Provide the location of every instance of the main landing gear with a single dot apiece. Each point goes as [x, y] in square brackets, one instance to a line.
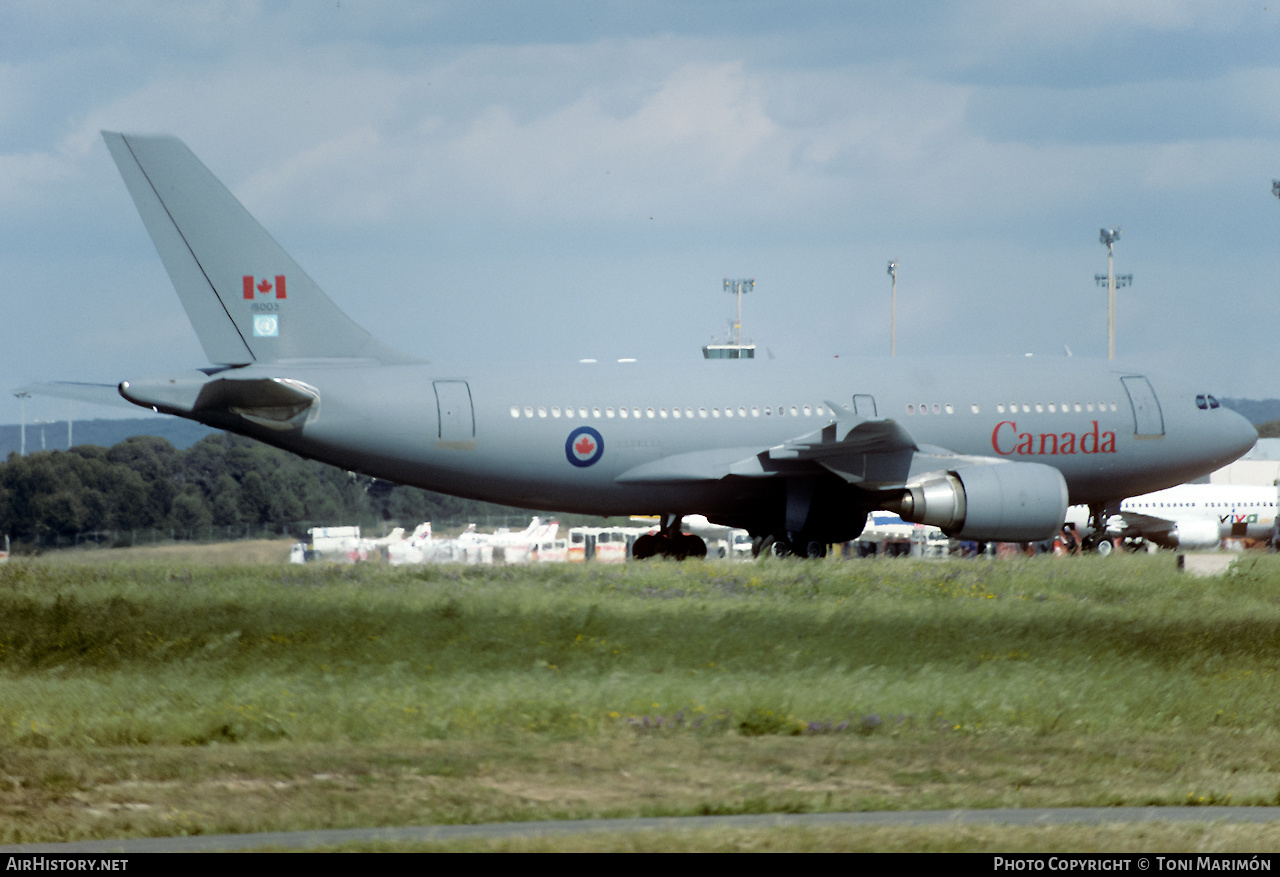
[788, 545]
[669, 542]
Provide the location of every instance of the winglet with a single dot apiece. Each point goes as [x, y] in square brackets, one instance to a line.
[245, 296]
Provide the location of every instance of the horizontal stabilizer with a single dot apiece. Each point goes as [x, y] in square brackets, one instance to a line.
[276, 403]
[97, 394]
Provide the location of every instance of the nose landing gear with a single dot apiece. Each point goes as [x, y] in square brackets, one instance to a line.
[1096, 542]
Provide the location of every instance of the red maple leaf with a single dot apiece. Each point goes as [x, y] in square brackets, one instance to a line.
[584, 446]
[264, 286]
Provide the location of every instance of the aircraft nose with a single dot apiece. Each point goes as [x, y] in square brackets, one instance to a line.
[1237, 434]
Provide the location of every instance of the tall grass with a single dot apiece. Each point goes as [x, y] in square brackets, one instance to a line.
[152, 654]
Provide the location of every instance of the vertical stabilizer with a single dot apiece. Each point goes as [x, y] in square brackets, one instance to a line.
[245, 296]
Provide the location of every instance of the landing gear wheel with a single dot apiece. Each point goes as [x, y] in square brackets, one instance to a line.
[646, 546]
[775, 546]
[677, 546]
[1103, 547]
[814, 550]
[687, 545]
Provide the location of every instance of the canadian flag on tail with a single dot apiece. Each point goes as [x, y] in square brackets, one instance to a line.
[254, 287]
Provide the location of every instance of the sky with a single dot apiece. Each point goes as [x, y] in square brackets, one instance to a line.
[548, 181]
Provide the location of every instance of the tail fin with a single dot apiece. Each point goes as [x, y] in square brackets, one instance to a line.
[246, 298]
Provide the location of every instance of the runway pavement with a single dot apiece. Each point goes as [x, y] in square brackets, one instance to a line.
[311, 840]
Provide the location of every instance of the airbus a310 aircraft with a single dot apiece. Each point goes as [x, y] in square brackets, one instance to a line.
[797, 454]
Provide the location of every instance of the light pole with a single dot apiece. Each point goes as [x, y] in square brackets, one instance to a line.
[893, 309]
[1275, 188]
[1108, 237]
[22, 442]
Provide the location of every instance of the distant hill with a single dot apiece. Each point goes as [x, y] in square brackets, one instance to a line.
[181, 433]
[1255, 410]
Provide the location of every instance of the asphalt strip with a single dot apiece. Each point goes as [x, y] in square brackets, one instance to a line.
[308, 840]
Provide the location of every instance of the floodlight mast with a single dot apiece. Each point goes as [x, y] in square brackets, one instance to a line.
[1108, 237]
[1275, 188]
[893, 309]
[22, 443]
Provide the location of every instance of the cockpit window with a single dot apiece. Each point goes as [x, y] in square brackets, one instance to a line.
[1204, 402]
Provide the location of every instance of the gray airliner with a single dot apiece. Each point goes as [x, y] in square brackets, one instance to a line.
[797, 454]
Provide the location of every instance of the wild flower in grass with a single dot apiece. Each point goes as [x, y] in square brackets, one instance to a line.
[677, 722]
[1210, 800]
[758, 723]
[864, 726]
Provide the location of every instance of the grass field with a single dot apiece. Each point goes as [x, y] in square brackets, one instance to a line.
[178, 695]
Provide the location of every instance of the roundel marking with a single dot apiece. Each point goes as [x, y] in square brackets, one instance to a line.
[584, 446]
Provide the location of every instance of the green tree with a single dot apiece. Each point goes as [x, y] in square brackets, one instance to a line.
[226, 501]
[190, 516]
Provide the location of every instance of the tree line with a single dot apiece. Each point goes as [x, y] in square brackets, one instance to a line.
[223, 483]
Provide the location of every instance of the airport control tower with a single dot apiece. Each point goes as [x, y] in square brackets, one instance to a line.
[734, 346]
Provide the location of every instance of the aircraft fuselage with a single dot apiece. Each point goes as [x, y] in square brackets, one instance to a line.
[565, 439]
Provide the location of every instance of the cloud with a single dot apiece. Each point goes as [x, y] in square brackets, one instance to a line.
[502, 162]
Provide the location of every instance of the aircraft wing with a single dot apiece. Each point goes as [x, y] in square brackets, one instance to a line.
[847, 445]
[1127, 523]
[695, 466]
[854, 448]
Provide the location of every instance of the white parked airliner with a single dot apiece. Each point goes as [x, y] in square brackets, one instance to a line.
[1191, 515]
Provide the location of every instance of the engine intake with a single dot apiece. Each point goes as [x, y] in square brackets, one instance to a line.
[1008, 502]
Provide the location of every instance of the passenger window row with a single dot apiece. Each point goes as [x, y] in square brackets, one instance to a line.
[583, 413]
[1015, 407]
[1208, 505]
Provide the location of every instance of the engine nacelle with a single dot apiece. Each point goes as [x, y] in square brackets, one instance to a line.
[1192, 534]
[1001, 502]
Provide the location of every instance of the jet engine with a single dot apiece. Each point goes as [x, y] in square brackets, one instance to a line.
[1009, 502]
[1192, 534]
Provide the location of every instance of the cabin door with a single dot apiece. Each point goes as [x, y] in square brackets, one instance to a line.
[457, 420]
[1148, 422]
